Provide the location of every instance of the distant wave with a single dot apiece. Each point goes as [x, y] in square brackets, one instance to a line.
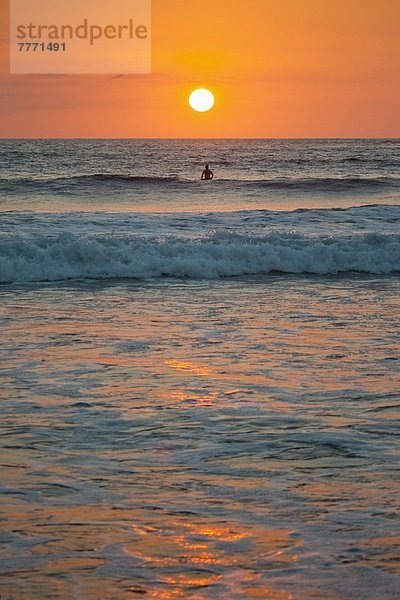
[220, 254]
[113, 177]
[96, 182]
[328, 184]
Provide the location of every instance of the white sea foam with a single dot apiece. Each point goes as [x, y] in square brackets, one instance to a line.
[219, 254]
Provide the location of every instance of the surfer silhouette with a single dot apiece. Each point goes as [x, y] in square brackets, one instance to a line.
[207, 173]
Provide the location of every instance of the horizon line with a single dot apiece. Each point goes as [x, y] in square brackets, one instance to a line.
[197, 138]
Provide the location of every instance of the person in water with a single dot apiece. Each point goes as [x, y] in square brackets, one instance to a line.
[207, 173]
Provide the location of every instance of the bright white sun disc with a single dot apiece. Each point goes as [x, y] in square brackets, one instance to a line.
[201, 100]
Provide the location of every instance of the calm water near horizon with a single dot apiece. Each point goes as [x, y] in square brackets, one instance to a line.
[200, 380]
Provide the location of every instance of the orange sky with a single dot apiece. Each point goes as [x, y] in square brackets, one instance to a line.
[278, 68]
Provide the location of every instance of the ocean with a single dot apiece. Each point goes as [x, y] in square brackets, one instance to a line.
[200, 380]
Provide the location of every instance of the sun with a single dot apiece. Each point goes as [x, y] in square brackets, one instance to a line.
[201, 100]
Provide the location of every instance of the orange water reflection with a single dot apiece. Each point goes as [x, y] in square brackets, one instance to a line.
[142, 457]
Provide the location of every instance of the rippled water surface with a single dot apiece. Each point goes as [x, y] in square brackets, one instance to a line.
[164, 175]
[175, 438]
[199, 380]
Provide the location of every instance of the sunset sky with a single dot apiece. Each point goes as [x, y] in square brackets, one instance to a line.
[277, 68]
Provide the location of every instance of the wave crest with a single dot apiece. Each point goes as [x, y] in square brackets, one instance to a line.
[118, 182]
[219, 254]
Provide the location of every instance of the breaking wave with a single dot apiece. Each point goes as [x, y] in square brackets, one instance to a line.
[219, 254]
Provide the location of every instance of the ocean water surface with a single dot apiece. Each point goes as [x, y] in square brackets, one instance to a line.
[200, 380]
